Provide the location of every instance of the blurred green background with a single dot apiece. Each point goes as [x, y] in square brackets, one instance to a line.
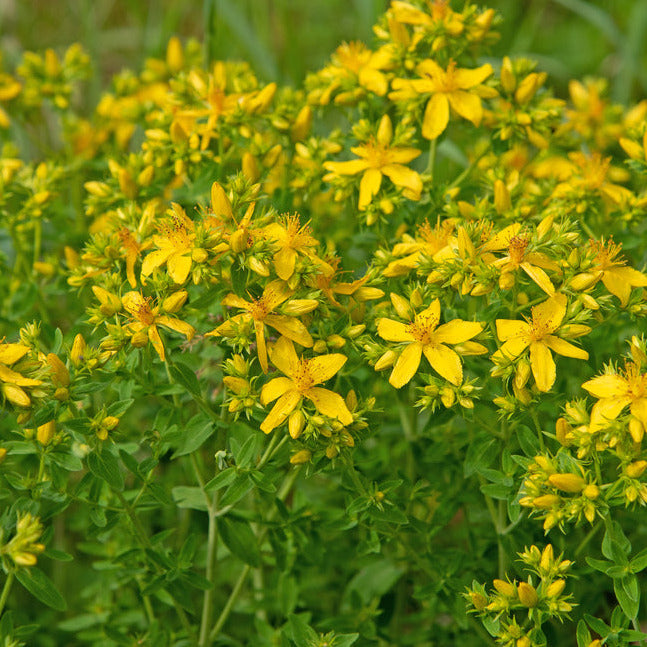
[283, 39]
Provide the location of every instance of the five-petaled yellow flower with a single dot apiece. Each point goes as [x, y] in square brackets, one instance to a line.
[451, 87]
[538, 335]
[379, 158]
[614, 393]
[302, 377]
[424, 335]
[260, 312]
[147, 318]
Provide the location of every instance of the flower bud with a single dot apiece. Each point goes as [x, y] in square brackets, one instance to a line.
[508, 82]
[562, 429]
[636, 469]
[572, 483]
[591, 491]
[502, 202]
[386, 361]
[636, 429]
[298, 307]
[45, 433]
[302, 456]
[527, 595]
[504, 588]
[355, 331]
[478, 600]
[175, 302]
[546, 501]
[555, 588]
[296, 423]
[320, 346]
[401, 306]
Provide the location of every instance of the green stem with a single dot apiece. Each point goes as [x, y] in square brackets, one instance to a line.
[585, 542]
[288, 483]
[432, 157]
[212, 550]
[540, 435]
[5, 590]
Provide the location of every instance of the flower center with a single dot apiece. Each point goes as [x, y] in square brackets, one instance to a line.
[517, 248]
[302, 378]
[422, 329]
[144, 312]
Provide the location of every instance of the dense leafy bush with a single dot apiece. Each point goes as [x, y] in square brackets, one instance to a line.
[355, 363]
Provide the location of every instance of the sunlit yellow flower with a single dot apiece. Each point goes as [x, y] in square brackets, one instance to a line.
[291, 240]
[614, 392]
[147, 318]
[451, 87]
[424, 335]
[438, 13]
[11, 382]
[379, 158]
[175, 246]
[302, 376]
[538, 335]
[610, 268]
[260, 312]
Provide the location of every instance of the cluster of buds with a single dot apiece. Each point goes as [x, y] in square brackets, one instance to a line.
[102, 424]
[441, 392]
[24, 546]
[558, 495]
[242, 397]
[518, 609]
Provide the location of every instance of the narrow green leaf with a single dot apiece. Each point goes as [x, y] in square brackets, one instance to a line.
[189, 497]
[41, 587]
[194, 434]
[239, 537]
[104, 465]
[629, 606]
[184, 375]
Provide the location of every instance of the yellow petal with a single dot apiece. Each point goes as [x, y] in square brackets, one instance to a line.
[284, 406]
[234, 301]
[11, 353]
[469, 78]
[330, 404]
[176, 324]
[373, 80]
[457, 331]
[620, 280]
[405, 177]
[284, 262]
[322, 368]
[132, 301]
[432, 312]
[407, 365]
[467, 105]
[155, 259]
[369, 186]
[502, 239]
[604, 411]
[275, 389]
[542, 365]
[445, 362]
[275, 293]
[12, 377]
[291, 328]
[156, 340]
[510, 328]
[284, 357]
[639, 410]
[539, 277]
[607, 386]
[551, 312]
[16, 395]
[564, 348]
[351, 167]
[261, 348]
[393, 330]
[178, 267]
[436, 116]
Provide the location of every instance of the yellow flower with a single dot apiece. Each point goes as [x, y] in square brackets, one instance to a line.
[292, 239]
[147, 318]
[378, 158]
[614, 393]
[611, 269]
[260, 312]
[302, 376]
[11, 382]
[424, 335]
[176, 247]
[538, 335]
[451, 87]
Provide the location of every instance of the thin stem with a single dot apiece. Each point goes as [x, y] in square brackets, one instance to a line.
[288, 483]
[432, 157]
[540, 435]
[5, 590]
[212, 550]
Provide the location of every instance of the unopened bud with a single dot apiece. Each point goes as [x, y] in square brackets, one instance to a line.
[296, 423]
[301, 457]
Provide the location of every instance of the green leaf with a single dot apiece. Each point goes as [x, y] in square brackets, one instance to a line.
[196, 432]
[225, 478]
[105, 466]
[615, 545]
[599, 564]
[639, 562]
[300, 632]
[583, 634]
[496, 491]
[597, 625]
[118, 409]
[184, 375]
[239, 537]
[41, 587]
[345, 640]
[237, 490]
[480, 454]
[189, 497]
[629, 606]
[375, 579]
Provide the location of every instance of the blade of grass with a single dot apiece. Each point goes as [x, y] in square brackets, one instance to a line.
[596, 16]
